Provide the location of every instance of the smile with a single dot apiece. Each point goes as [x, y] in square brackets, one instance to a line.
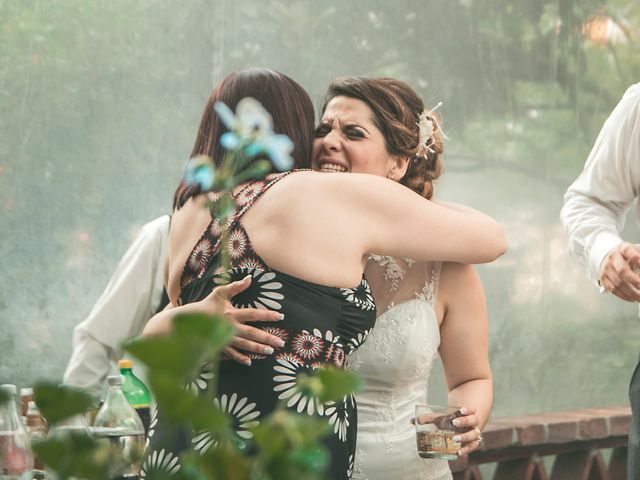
[325, 166]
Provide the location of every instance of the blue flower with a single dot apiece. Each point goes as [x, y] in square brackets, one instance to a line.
[251, 130]
[279, 148]
[226, 115]
[229, 140]
[200, 171]
[253, 120]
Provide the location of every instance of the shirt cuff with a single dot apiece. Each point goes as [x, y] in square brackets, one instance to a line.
[603, 244]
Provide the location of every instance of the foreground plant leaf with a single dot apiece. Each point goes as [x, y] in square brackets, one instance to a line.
[224, 463]
[58, 402]
[214, 329]
[337, 382]
[74, 454]
[4, 397]
[172, 355]
[180, 405]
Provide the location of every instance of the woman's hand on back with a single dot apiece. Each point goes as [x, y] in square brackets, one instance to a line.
[218, 302]
[247, 338]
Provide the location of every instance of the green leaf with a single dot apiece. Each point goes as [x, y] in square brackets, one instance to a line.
[74, 454]
[225, 464]
[173, 355]
[338, 382]
[283, 430]
[57, 402]
[313, 458]
[4, 397]
[180, 405]
[258, 169]
[215, 329]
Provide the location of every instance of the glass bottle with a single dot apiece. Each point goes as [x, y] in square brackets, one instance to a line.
[135, 391]
[37, 430]
[16, 459]
[26, 395]
[75, 425]
[118, 424]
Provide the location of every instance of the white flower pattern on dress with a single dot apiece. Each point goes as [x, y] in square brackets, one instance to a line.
[357, 341]
[237, 243]
[262, 293]
[350, 467]
[360, 296]
[248, 193]
[307, 346]
[285, 379]
[333, 342]
[243, 413]
[251, 263]
[339, 416]
[160, 461]
[204, 375]
[201, 254]
[152, 424]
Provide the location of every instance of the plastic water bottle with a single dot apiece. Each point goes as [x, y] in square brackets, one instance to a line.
[75, 425]
[136, 392]
[16, 458]
[118, 424]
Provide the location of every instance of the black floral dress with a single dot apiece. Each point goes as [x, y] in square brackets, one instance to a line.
[322, 326]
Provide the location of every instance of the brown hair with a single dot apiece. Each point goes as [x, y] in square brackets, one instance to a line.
[288, 103]
[396, 108]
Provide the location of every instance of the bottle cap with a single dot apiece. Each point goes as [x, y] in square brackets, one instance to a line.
[26, 391]
[125, 363]
[9, 389]
[114, 380]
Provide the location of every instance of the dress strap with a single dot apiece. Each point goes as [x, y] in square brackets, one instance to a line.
[250, 192]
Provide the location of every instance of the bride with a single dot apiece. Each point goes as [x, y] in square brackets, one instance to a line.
[380, 126]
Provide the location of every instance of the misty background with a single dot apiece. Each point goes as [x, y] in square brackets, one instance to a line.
[100, 102]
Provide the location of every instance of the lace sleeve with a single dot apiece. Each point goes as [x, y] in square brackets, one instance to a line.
[397, 280]
[429, 291]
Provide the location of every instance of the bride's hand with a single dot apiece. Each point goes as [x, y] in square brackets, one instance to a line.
[247, 338]
[472, 437]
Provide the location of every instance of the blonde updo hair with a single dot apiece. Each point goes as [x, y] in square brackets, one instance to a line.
[396, 108]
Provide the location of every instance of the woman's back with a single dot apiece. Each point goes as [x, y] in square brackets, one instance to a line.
[321, 326]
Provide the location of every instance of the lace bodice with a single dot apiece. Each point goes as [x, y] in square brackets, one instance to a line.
[395, 364]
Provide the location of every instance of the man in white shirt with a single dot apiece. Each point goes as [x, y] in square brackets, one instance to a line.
[595, 207]
[132, 296]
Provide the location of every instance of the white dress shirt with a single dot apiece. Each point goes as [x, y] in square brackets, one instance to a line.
[596, 204]
[129, 300]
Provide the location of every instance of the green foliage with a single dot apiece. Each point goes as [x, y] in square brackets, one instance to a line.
[4, 397]
[330, 384]
[60, 402]
[288, 446]
[74, 454]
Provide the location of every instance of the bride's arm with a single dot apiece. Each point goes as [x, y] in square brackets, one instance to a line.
[398, 222]
[464, 349]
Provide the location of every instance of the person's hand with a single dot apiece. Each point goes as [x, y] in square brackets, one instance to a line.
[617, 275]
[247, 338]
[472, 437]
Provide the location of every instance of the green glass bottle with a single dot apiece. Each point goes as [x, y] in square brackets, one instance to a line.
[136, 392]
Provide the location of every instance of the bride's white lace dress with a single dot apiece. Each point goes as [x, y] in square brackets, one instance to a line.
[395, 363]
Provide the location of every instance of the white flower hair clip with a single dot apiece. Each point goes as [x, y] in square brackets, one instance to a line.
[427, 127]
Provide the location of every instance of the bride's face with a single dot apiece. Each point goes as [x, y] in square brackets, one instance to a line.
[347, 140]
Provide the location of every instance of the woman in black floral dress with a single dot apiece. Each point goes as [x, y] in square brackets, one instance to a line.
[303, 237]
